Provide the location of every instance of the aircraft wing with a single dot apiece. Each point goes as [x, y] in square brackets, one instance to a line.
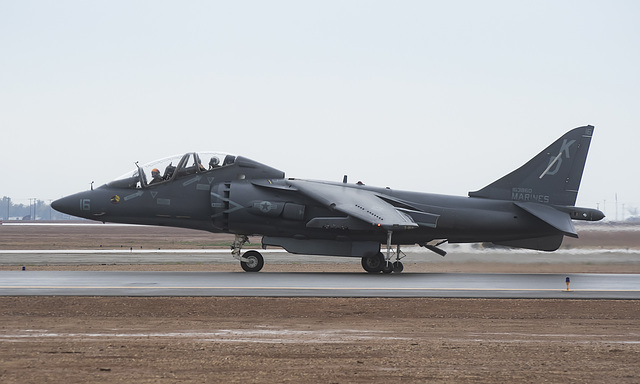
[362, 204]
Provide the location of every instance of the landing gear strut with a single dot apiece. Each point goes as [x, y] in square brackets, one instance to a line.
[251, 261]
[379, 263]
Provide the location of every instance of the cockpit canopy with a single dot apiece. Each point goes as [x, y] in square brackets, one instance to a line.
[173, 167]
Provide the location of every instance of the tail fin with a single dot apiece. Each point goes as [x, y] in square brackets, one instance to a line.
[552, 177]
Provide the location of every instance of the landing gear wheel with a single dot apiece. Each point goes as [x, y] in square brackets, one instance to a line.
[387, 267]
[373, 264]
[398, 267]
[254, 262]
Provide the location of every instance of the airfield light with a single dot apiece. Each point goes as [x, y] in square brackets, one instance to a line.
[567, 280]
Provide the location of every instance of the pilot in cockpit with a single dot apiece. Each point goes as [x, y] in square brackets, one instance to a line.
[155, 174]
[214, 163]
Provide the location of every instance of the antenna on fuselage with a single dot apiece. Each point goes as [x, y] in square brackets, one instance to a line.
[344, 179]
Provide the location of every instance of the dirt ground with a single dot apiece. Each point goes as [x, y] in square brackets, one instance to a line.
[323, 340]
[335, 340]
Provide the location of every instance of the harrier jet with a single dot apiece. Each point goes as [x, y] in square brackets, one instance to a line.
[531, 207]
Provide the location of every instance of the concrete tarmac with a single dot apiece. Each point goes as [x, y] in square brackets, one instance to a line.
[406, 284]
[83, 283]
[458, 254]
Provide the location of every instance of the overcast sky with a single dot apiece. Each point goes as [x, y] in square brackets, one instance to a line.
[434, 96]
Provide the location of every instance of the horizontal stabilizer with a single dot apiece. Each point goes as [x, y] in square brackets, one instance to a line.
[557, 219]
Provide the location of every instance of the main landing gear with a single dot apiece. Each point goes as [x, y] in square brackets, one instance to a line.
[251, 261]
[379, 263]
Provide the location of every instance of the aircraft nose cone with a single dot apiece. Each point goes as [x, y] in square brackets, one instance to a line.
[57, 205]
[61, 205]
[68, 204]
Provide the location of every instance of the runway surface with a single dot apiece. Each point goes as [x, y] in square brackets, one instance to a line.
[460, 254]
[82, 283]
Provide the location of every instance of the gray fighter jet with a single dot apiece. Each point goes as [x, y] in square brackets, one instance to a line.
[531, 207]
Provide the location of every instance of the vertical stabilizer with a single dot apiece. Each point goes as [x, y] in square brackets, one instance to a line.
[551, 177]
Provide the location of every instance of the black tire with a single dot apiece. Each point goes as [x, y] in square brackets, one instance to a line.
[373, 264]
[398, 267]
[255, 261]
[387, 268]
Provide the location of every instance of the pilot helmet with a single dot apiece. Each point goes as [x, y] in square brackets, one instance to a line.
[214, 162]
[155, 172]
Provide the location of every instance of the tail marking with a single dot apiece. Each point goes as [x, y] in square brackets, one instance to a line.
[558, 159]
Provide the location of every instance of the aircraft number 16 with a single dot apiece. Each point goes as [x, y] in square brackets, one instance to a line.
[85, 204]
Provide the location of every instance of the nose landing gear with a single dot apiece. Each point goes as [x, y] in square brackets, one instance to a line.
[254, 261]
[250, 261]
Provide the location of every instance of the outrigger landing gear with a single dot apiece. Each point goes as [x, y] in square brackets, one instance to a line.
[251, 261]
[379, 263]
